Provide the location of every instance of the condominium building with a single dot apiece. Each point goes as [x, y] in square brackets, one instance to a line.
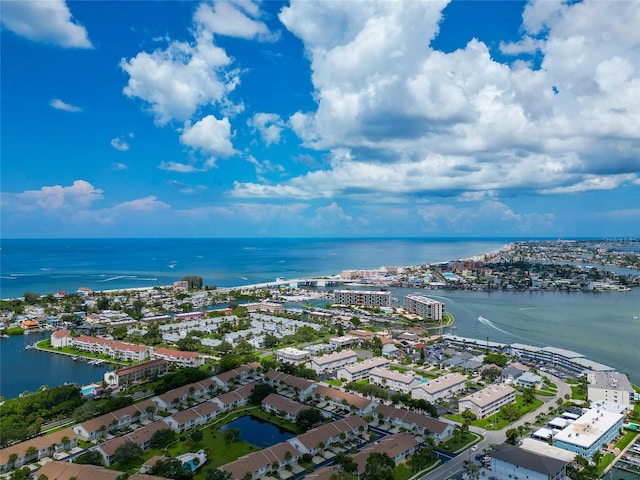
[441, 387]
[609, 387]
[137, 373]
[292, 355]
[365, 298]
[128, 351]
[487, 401]
[558, 357]
[424, 307]
[589, 432]
[333, 361]
[180, 358]
[394, 380]
[361, 370]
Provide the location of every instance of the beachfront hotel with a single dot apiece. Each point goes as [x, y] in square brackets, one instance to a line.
[363, 298]
[424, 307]
[589, 432]
[487, 401]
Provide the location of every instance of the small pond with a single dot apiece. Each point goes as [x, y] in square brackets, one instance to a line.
[257, 432]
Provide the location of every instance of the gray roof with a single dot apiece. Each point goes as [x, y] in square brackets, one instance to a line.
[532, 461]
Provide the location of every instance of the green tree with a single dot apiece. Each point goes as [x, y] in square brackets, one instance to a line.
[379, 467]
[345, 462]
[162, 438]
[196, 436]
[309, 418]
[495, 358]
[231, 435]
[217, 474]
[90, 457]
[119, 332]
[529, 396]
[127, 454]
[512, 436]
[171, 468]
[471, 469]
[260, 392]
[509, 412]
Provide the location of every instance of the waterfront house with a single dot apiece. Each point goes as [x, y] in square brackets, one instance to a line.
[487, 401]
[61, 338]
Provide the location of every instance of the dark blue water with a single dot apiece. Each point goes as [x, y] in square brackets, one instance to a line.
[46, 266]
[27, 370]
[258, 432]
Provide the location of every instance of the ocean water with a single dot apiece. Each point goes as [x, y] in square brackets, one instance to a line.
[47, 266]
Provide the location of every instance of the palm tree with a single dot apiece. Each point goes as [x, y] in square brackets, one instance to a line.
[471, 469]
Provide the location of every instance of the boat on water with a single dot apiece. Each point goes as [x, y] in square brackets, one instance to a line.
[31, 346]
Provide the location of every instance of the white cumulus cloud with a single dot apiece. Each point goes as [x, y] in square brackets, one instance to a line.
[60, 105]
[209, 135]
[79, 195]
[269, 125]
[233, 19]
[47, 21]
[119, 144]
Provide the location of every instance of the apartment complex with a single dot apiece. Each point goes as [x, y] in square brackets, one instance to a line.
[487, 401]
[609, 387]
[441, 387]
[364, 298]
[589, 432]
[361, 370]
[397, 381]
[425, 307]
[333, 361]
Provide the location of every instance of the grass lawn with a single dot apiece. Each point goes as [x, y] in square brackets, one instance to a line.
[456, 443]
[604, 463]
[545, 393]
[626, 439]
[334, 382]
[575, 393]
[488, 423]
[402, 472]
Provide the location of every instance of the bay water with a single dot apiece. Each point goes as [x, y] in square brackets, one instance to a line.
[599, 325]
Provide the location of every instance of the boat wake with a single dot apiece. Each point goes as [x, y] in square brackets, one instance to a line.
[489, 323]
[126, 277]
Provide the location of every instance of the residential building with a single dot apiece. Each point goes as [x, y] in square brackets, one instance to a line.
[609, 387]
[441, 387]
[136, 373]
[313, 440]
[511, 462]
[45, 445]
[66, 471]
[243, 372]
[235, 398]
[394, 380]
[91, 344]
[333, 361]
[283, 406]
[260, 464]
[193, 417]
[61, 338]
[342, 399]
[344, 341]
[589, 432]
[292, 355]
[424, 307]
[300, 386]
[529, 380]
[557, 357]
[141, 437]
[361, 370]
[270, 307]
[397, 446]
[424, 425]
[180, 358]
[364, 298]
[128, 351]
[95, 428]
[487, 401]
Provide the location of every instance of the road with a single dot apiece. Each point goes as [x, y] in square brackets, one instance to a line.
[495, 437]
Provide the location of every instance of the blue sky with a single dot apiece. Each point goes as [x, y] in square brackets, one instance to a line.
[356, 118]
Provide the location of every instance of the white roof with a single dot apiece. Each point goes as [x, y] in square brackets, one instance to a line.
[543, 433]
[589, 427]
[559, 422]
[543, 448]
